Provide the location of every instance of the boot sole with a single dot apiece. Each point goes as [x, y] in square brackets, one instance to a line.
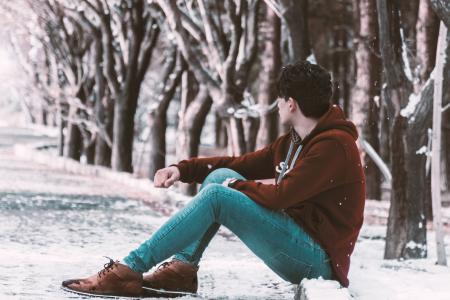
[158, 293]
[146, 293]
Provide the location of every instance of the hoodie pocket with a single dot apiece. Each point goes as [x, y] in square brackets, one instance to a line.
[289, 268]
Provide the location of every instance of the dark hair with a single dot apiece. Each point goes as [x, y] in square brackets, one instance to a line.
[308, 84]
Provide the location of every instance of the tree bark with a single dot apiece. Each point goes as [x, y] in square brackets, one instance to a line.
[105, 114]
[271, 63]
[89, 152]
[295, 16]
[122, 150]
[406, 230]
[408, 20]
[125, 74]
[190, 127]
[73, 142]
[158, 117]
[61, 126]
[221, 139]
[365, 113]
[442, 9]
[157, 139]
[426, 42]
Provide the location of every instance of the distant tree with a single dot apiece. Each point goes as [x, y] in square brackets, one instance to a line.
[270, 64]
[168, 82]
[219, 53]
[410, 116]
[129, 31]
[364, 107]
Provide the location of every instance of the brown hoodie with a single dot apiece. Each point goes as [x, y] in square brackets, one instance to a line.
[323, 190]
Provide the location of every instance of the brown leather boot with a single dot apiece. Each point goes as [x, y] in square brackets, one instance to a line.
[175, 277]
[115, 279]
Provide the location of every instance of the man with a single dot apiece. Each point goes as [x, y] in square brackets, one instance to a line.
[304, 225]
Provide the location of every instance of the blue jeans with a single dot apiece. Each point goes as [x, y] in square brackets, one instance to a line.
[272, 235]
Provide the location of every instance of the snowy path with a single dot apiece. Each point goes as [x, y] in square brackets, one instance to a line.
[55, 225]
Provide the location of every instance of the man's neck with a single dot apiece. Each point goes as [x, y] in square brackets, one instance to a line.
[305, 126]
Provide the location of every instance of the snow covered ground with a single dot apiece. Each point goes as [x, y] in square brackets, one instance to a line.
[55, 225]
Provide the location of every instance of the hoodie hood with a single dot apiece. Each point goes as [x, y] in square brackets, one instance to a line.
[334, 118]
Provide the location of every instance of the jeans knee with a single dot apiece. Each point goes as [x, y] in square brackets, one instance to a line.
[219, 175]
[212, 189]
[212, 192]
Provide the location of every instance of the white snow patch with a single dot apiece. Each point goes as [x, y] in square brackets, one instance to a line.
[422, 150]
[413, 245]
[409, 109]
[407, 69]
[312, 58]
[230, 110]
[320, 289]
[376, 99]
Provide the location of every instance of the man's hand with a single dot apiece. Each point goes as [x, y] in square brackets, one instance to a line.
[166, 177]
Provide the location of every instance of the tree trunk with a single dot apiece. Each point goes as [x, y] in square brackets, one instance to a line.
[446, 115]
[406, 230]
[385, 146]
[236, 137]
[61, 127]
[157, 139]
[104, 107]
[89, 153]
[73, 144]
[271, 62]
[408, 19]
[102, 149]
[73, 139]
[122, 150]
[221, 139]
[170, 79]
[426, 38]
[190, 126]
[364, 109]
[251, 132]
[295, 15]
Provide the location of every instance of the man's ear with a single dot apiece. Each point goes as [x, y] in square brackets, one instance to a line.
[292, 104]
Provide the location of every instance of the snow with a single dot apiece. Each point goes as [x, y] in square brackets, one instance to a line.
[324, 289]
[372, 277]
[230, 110]
[312, 58]
[422, 150]
[409, 109]
[229, 270]
[376, 99]
[407, 66]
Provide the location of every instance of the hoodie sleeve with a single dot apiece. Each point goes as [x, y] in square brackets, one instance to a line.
[322, 168]
[254, 165]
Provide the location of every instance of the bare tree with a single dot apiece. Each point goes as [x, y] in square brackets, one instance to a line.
[221, 62]
[365, 112]
[129, 34]
[271, 63]
[426, 37]
[157, 119]
[410, 115]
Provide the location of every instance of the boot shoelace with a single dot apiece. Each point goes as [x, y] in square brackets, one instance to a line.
[164, 265]
[107, 267]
